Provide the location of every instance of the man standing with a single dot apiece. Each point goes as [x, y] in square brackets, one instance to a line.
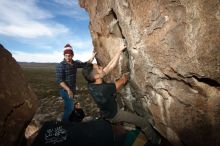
[66, 78]
[104, 94]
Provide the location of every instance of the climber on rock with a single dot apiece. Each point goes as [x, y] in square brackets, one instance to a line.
[104, 94]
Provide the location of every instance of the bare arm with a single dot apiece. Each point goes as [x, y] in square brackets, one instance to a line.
[122, 81]
[65, 87]
[114, 61]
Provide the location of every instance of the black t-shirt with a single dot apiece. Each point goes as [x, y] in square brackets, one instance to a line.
[104, 95]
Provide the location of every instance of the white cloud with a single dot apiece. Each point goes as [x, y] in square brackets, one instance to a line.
[21, 10]
[35, 25]
[45, 57]
[82, 51]
[37, 57]
[85, 56]
[32, 30]
[22, 18]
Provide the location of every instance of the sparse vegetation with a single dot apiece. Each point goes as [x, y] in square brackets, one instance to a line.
[41, 78]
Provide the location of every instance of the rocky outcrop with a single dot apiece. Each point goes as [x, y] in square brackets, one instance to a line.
[173, 57]
[18, 102]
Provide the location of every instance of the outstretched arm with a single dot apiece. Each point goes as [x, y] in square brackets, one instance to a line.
[114, 60]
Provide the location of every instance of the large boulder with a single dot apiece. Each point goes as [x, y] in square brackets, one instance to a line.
[18, 101]
[173, 57]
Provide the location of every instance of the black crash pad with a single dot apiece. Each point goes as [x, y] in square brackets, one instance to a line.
[93, 133]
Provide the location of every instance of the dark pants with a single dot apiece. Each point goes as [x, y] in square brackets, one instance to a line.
[124, 116]
[68, 105]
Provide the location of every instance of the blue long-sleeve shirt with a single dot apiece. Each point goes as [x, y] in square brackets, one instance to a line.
[67, 73]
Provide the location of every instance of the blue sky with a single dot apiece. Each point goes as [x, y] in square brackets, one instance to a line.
[37, 30]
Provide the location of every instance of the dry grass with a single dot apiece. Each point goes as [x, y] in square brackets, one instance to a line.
[41, 79]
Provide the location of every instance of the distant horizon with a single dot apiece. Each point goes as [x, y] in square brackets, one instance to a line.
[40, 62]
[43, 62]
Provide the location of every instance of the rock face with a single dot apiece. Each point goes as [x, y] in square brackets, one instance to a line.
[18, 102]
[173, 57]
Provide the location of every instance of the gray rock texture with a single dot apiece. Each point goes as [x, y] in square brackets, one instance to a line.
[173, 56]
[18, 102]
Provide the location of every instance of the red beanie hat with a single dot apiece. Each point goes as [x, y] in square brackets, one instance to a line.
[68, 49]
